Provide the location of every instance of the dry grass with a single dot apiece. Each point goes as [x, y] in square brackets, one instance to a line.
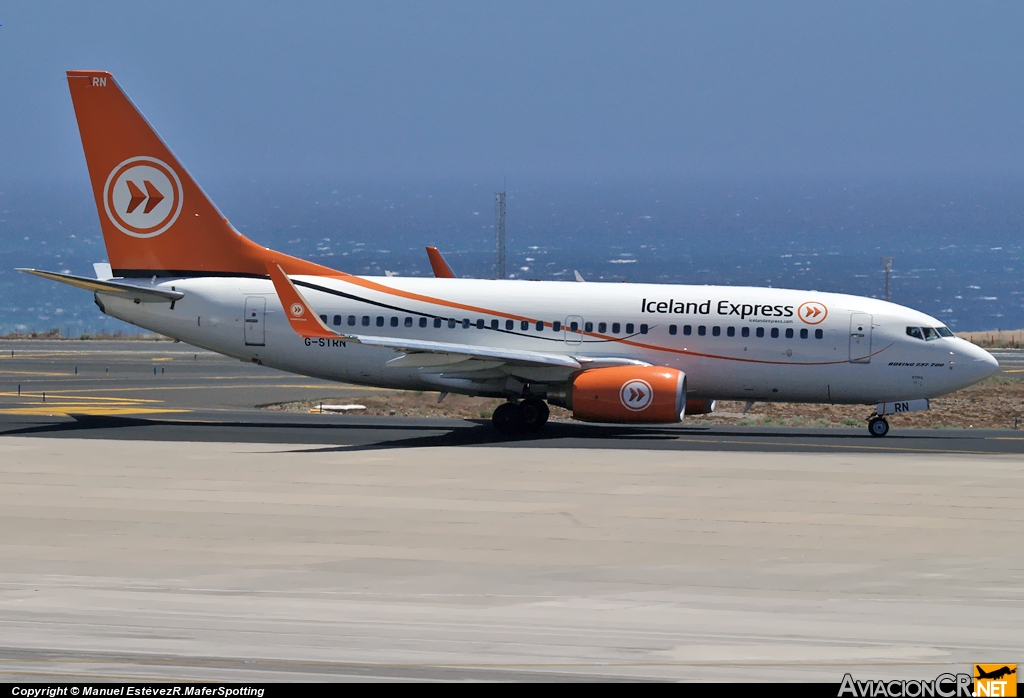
[992, 404]
[995, 339]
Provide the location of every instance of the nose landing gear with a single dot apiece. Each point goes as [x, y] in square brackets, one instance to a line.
[878, 426]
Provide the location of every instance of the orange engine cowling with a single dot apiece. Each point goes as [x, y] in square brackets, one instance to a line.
[697, 405]
[629, 394]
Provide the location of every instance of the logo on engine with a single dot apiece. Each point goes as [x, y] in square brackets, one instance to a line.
[812, 312]
[636, 395]
[297, 309]
[142, 197]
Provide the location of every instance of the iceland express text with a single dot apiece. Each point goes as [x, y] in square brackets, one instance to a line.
[744, 310]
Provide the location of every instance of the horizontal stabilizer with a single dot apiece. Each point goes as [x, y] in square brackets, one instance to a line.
[139, 294]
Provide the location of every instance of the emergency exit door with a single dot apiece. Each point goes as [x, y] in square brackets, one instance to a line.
[255, 310]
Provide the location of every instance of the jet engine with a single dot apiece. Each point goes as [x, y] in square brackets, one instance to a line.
[696, 405]
[628, 395]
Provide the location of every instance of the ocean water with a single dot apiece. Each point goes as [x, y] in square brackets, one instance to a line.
[957, 244]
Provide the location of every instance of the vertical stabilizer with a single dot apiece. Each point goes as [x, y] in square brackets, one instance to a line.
[156, 220]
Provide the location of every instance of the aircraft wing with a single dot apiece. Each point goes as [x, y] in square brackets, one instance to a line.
[307, 323]
[139, 294]
[438, 265]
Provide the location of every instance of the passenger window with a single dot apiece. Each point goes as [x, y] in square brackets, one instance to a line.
[351, 320]
[930, 333]
[337, 320]
[616, 327]
[423, 322]
[574, 327]
[701, 330]
[716, 330]
[408, 322]
[510, 324]
[394, 322]
[588, 327]
[602, 327]
[687, 329]
[494, 324]
[643, 329]
[480, 323]
[944, 332]
[629, 328]
[524, 325]
[671, 329]
[437, 322]
[556, 326]
[731, 331]
[324, 319]
[803, 333]
[760, 332]
[380, 321]
[915, 332]
[465, 323]
[818, 334]
[540, 326]
[775, 333]
[366, 321]
[452, 322]
[745, 331]
[789, 333]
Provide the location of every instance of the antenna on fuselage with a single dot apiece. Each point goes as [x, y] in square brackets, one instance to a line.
[499, 231]
[887, 265]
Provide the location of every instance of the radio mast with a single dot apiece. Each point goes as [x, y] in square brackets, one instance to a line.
[499, 231]
[887, 265]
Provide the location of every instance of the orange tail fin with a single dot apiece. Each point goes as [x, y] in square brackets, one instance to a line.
[155, 219]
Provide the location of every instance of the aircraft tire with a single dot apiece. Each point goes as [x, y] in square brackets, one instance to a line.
[878, 426]
[508, 419]
[535, 414]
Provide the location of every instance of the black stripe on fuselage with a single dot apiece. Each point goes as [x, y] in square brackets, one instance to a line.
[400, 309]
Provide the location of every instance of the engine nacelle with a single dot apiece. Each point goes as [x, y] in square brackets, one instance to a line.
[629, 395]
[696, 405]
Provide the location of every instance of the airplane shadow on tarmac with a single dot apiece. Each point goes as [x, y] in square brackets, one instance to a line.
[364, 434]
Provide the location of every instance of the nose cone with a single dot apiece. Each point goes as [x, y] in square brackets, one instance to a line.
[977, 362]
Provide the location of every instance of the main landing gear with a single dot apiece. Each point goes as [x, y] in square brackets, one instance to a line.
[878, 426]
[514, 418]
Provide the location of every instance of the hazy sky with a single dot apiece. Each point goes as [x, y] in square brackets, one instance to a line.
[591, 89]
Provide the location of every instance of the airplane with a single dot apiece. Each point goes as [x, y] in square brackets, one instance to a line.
[995, 674]
[608, 352]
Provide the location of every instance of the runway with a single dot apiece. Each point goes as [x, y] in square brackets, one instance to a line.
[195, 537]
[171, 392]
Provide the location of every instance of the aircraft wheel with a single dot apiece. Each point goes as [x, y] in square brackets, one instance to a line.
[508, 419]
[878, 427]
[535, 414]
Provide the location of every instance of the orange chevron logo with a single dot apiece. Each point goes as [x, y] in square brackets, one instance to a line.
[812, 312]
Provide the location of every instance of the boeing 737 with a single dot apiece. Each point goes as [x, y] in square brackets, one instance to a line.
[610, 353]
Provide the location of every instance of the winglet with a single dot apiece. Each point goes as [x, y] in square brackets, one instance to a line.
[300, 316]
[437, 263]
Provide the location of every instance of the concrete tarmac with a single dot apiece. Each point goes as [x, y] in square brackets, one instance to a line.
[232, 561]
[193, 537]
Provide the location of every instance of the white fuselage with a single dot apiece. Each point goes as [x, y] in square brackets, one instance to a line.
[851, 350]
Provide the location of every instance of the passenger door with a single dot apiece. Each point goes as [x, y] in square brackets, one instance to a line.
[860, 338]
[255, 312]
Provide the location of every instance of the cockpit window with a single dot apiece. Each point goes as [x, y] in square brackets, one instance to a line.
[944, 332]
[915, 332]
[930, 333]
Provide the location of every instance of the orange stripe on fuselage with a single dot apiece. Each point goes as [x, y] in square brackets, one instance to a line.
[374, 286]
